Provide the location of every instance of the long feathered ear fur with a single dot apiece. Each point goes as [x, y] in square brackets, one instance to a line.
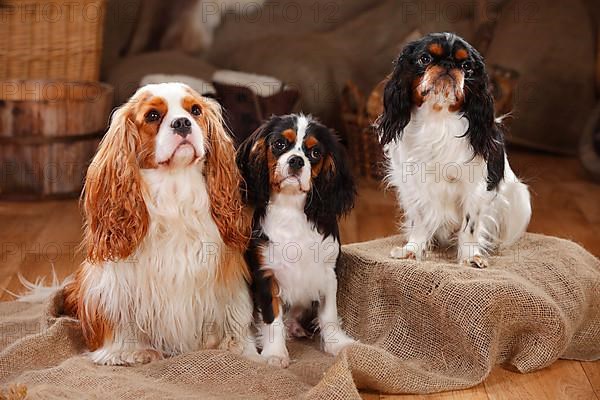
[333, 190]
[484, 133]
[116, 218]
[223, 181]
[397, 100]
[252, 162]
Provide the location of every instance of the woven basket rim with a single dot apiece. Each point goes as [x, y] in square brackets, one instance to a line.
[36, 46]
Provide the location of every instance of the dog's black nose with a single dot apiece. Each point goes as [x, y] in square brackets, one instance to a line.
[182, 126]
[295, 163]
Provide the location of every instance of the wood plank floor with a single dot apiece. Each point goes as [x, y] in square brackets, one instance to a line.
[36, 236]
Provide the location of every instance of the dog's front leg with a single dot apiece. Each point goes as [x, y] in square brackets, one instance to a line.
[471, 238]
[273, 336]
[238, 336]
[333, 337]
[419, 231]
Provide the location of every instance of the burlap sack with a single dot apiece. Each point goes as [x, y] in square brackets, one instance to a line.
[424, 327]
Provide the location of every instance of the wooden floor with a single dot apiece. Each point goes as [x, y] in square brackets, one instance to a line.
[36, 236]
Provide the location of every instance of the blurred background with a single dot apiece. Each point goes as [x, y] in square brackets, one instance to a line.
[260, 57]
[65, 64]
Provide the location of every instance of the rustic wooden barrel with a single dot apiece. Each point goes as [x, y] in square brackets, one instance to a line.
[49, 131]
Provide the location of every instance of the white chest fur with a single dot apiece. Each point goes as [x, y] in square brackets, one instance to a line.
[434, 163]
[434, 149]
[302, 260]
[167, 287]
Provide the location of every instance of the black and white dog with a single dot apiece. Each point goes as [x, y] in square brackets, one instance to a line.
[297, 180]
[446, 155]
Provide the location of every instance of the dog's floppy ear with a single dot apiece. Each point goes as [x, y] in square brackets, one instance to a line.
[333, 191]
[484, 133]
[223, 179]
[496, 164]
[397, 100]
[116, 217]
[252, 160]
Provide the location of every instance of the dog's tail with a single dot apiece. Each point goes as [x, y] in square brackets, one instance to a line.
[37, 291]
[518, 213]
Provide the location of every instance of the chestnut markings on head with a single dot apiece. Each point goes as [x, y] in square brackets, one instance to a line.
[330, 186]
[444, 68]
[290, 135]
[461, 54]
[314, 151]
[116, 217]
[436, 49]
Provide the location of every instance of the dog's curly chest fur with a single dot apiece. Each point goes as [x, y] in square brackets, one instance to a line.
[300, 257]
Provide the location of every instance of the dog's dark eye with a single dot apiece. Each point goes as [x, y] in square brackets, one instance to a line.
[152, 116]
[467, 66]
[279, 144]
[315, 154]
[196, 110]
[425, 59]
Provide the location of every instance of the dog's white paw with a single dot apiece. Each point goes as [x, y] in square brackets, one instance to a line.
[337, 343]
[276, 355]
[407, 252]
[476, 261]
[278, 361]
[115, 356]
[127, 357]
[141, 356]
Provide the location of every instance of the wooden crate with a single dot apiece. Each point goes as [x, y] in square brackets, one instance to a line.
[49, 131]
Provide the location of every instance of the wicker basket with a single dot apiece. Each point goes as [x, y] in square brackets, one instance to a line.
[51, 39]
[359, 114]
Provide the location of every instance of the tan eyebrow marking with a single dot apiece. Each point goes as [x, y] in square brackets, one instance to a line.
[436, 49]
[188, 102]
[289, 134]
[155, 101]
[311, 142]
[147, 103]
[461, 54]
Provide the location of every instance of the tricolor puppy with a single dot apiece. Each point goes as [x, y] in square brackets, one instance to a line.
[446, 154]
[298, 183]
[164, 234]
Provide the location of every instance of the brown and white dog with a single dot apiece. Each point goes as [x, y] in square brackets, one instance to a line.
[164, 234]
